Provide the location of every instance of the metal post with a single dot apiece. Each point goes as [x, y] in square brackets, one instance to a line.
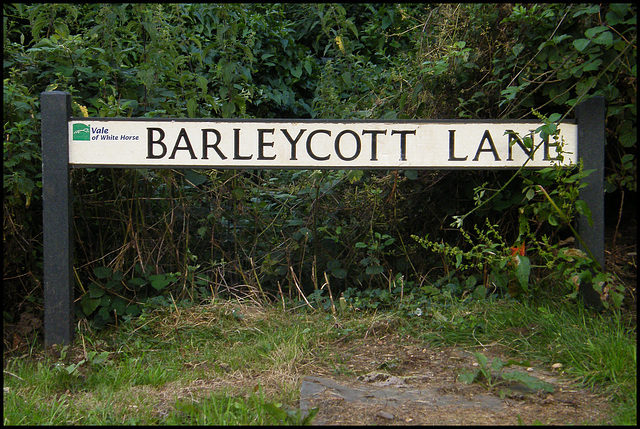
[591, 140]
[57, 219]
[590, 116]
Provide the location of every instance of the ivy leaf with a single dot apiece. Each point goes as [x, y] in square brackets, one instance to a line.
[296, 72]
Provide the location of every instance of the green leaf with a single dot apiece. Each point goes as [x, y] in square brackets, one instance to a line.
[95, 291]
[585, 85]
[374, 269]
[307, 66]
[275, 411]
[194, 178]
[594, 31]
[137, 281]
[497, 364]
[105, 301]
[132, 310]
[529, 381]
[482, 359]
[522, 271]
[555, 117]
[517, 49]
[470, 282]
[592, 65]
[310, 416]
[296, 72]
[468, 377]
[159, 281]
[120, 306]
[458, 260]
[117, 275]
[583, 209]
[339, 273]
[192, 105]
[97, 359]
[411, 174]
[89, 304]
[530, 194]
[628, 138]
[354, 175]
[104, 313]
[581, 44]
[346, 76]
[605, 38]
[102, 272]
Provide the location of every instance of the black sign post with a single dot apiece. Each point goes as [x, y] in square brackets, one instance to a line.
[57, 219]
[591, 140]
[57, 208]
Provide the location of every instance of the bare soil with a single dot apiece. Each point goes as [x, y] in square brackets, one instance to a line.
[386, 379]
[407, 384]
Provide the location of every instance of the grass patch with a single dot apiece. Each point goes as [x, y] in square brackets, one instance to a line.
[596, 350]
[235, 363]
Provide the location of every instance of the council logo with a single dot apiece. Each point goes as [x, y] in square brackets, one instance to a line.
[81, 132]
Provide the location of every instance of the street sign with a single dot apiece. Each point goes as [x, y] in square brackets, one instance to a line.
[288, 144]
[311, 144]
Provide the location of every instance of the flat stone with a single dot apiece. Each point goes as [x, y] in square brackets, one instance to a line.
[321, 391]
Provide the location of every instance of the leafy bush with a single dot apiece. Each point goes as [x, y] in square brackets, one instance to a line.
[272, 231]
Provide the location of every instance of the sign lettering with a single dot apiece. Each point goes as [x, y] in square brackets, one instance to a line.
[314, 144]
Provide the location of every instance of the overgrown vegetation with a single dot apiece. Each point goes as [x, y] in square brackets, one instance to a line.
[336, 240]
[240, 362]
[143, 233]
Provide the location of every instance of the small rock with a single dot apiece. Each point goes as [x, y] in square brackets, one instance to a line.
[385, 415]
[373, 376]
[392, 381]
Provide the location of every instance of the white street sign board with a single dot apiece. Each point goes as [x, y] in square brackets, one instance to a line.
[311, 144]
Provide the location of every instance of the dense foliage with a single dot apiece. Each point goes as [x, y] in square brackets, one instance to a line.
[141, 234]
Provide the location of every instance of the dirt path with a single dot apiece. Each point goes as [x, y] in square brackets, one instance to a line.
[410, 385]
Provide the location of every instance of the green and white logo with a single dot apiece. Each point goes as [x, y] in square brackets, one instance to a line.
[81, 132]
